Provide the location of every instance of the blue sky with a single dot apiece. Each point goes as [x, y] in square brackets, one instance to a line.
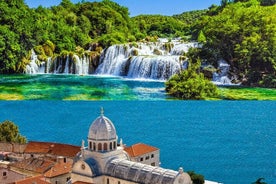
[137, 7]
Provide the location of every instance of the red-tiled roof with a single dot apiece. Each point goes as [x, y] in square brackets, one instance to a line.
[52, 148]
[59, 168]
[36, 179]
[37, 165]
[139, 149]
[81, 182]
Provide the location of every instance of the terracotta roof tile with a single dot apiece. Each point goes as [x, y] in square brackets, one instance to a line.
[59, 168]
[139, 149]
[52, 148]
[37, 165]
[36, 179]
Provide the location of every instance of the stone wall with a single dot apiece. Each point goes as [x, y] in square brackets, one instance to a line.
[12, 147]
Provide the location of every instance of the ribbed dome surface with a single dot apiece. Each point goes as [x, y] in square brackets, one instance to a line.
[102, 129]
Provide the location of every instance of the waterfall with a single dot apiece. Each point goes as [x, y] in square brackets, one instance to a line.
[66, 68]
[160, 67]
[221, 78]
[32, 67]
[159, 60]
[150, 60]
[82, 65]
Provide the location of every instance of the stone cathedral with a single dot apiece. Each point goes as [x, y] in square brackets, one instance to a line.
[104, 161]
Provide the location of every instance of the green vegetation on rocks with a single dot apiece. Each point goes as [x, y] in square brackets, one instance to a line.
[9, 133]
[191, 84]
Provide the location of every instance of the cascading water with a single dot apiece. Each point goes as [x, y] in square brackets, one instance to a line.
[82, 65]
[221, 78]
[158, 60]
[59, 65]
[32, 67]
[151, 60]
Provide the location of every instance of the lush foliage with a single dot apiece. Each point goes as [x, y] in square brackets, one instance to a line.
[158, 25]
[188, 18]
[244, 34]
[191, 84]
[9, 132]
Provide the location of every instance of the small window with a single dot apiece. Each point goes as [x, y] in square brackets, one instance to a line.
[64, 160]
[152, 164]
[107, 181]
[147, 157]
[152, 155]
[56, 182]
[119, 182]
[4, 174]
[141, 159]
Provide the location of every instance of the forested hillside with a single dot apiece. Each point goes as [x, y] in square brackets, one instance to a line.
[159, 25]
[244, 34]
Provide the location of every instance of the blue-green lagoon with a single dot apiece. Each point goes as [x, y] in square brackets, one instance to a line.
[79, 87]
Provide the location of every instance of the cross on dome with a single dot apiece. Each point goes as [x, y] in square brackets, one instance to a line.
[102, 111]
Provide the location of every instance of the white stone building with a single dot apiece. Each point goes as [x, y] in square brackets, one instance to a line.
[104, 162]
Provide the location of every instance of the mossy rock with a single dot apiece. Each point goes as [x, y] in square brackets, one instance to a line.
[182, 58]
[42, 57]
[157, 52]
[134, 52]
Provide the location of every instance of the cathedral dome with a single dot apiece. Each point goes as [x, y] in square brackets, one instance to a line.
[102, 129]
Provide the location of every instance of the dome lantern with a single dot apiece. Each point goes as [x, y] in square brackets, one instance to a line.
[102, 135]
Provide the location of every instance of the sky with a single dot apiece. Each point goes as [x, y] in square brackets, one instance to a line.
[137, 7]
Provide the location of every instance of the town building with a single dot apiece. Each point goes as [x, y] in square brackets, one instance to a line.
[144, 153]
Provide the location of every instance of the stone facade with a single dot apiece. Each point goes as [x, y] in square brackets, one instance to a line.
[9, 176]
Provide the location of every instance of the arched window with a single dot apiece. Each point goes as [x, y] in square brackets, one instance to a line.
[105, 147]
[90, 145]
[114, 145]
[100, 147]
[107, 181]
[94, 146]
[110, 146]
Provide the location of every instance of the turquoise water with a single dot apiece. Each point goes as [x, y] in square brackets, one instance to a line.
[75, 87]
[233, 142]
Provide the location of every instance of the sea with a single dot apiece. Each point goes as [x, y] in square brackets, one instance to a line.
[232, 142]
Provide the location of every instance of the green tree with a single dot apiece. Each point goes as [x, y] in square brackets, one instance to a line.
[9, 132]
[190, 84]
[201, 37]
[196, 178]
